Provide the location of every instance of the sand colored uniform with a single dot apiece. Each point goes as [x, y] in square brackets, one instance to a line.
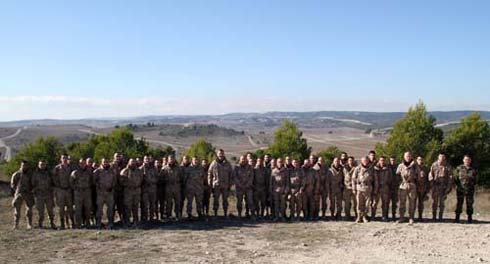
[42, 188]
[131, 181]
[441, 179]
[408, 174]
[194, 188]
[173, 177]
[219, 178]
[21, 184]
[279, 188]
[63, 192]
[105, 180]
[349, 196]
[149, 192]
[81, 183]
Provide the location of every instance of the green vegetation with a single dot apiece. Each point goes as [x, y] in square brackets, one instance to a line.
[329, 154]
[201, 149]
[289, 141]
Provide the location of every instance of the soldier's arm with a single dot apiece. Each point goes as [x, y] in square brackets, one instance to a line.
[72, 179]
[210, 174]
[354, 180]
[14, 180]
[376, 180]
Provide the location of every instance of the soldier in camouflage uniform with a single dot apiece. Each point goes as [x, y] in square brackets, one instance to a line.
[465, 178]
[384, 176]
[395, 186]
[131, 180]
[219, 178]
[206, 188]
[336, 178]
[194, 187]
[42, 188]
[423, 186]
[297, 186]
[349, 195]
[149, 192]
[105, 180]
[408, 173]
[81, 182]
[363, 180]
[173, 178]
[260, 187]
[323, 176]
[279, 188]
[160, 189]
[186, 162]
[242, 178]
[92, 166]
[63, 191]
[441, 179]
[118, 166]
[268, 170]
[20, 183]
[312, 190]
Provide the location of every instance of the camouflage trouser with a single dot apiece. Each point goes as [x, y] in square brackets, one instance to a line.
[119, 202]
[149, 199]
[44, 201]
[411, 195]
[93, 214]
[309, 205]
[83, 205]
[349, 198]
[206, 199]
[295, 204]
[223, 192]
[64, 200]
[161, 200]
[172, 198]
[385, 202]
[336, 202]
[461, 195]
[393, 199]
[421, 197]
[260, 202]
[375, 198]
[132, 199]
[279, 204]
[106, 198]
[246, 194]
[191, 196]
[17, 202]
[439, 196]
[363, 201]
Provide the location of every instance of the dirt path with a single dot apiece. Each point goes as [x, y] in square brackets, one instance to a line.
[8, 150]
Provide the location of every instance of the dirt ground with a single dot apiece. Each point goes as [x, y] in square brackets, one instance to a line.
[234, 241]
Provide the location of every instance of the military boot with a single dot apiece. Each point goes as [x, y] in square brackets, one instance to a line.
[440, 216]
[470, 218]
[456, 219]
[364, 219]
[359, 218]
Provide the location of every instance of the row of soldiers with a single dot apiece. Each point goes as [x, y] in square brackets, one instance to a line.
[147, 190]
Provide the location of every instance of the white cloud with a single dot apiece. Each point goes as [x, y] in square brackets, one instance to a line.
[66, 107]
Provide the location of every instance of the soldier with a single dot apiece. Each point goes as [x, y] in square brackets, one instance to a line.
[251, 163]
[118, 166]
[279, 187]
[194, 187]
[395, 185]
[42, 188]
[441, 179]
[336, 178]
[149, 192]
[465, 179]
[242, 178]
[268, 170]
[384, 176]
[20, 183]
[288, 163]
[219, 177]
[186, 162]
[81, 182]
[324, 185]
[423, 186]
[408, 172]
[363, 182]
[372, 158]
[260, 188]
[91, 165]
[344, 158]
[206, 187]
[160, 189]
[297, 185]
[173, 178]
[131, 180]
[349, 195]
[312, 190]
[63, 191]
[105, 180]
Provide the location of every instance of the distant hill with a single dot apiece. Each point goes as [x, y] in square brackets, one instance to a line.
[355, 119]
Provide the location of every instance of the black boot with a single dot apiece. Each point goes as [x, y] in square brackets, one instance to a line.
[456, 219]
[470, 219]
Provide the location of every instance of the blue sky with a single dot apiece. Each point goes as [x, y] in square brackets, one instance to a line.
[73, 59]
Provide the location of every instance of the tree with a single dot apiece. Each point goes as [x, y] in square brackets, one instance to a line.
[472, 137]
[201, 149]
[48, 149]
[289, 141]
[329, 154]
[416, 132]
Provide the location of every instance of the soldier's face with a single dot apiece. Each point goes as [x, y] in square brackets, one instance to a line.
[420, 161]
[105, 163]
[312, 160]
[221, 155]
[133, 163]
[195, 161]
[251, 162]
[82, 164]
[467, 161]
[185, 160]
[42, 165]
[279, 163]
[364, 161]
[392, 161]
[158, 163]
[90, 162]
[64, 160]
[288, 160]
[243, 160]
[146, 160]
[204, 163]
[350, 162]
[267, 158]
[382, 162]
[441, 158]
[295, 163]
[336, 162]
[171, 160]
[24, 166]
[321, 161]
[260, 161]
[407, 157]
[372, 156]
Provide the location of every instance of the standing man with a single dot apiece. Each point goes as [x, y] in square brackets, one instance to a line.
[81, 182]
[297, 185]
[384, 177]
[174, 177]
[63, 191]
[149, 196]
[20, 183]
[423, 186]
[336, 176]
[349, 196]
[312, 190]
[194, 187]
[441, 178]
[324, 178]
[219, 177]
[260, 188]
[408, 172]
[363, 182]
[279, 188]
[395, 186]
[131, 179]
[42, 188]
[465, 179]
[105, 180]
[118, 166]
[206, 187]
[268, 170]
[242, 178]
[160, 189]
